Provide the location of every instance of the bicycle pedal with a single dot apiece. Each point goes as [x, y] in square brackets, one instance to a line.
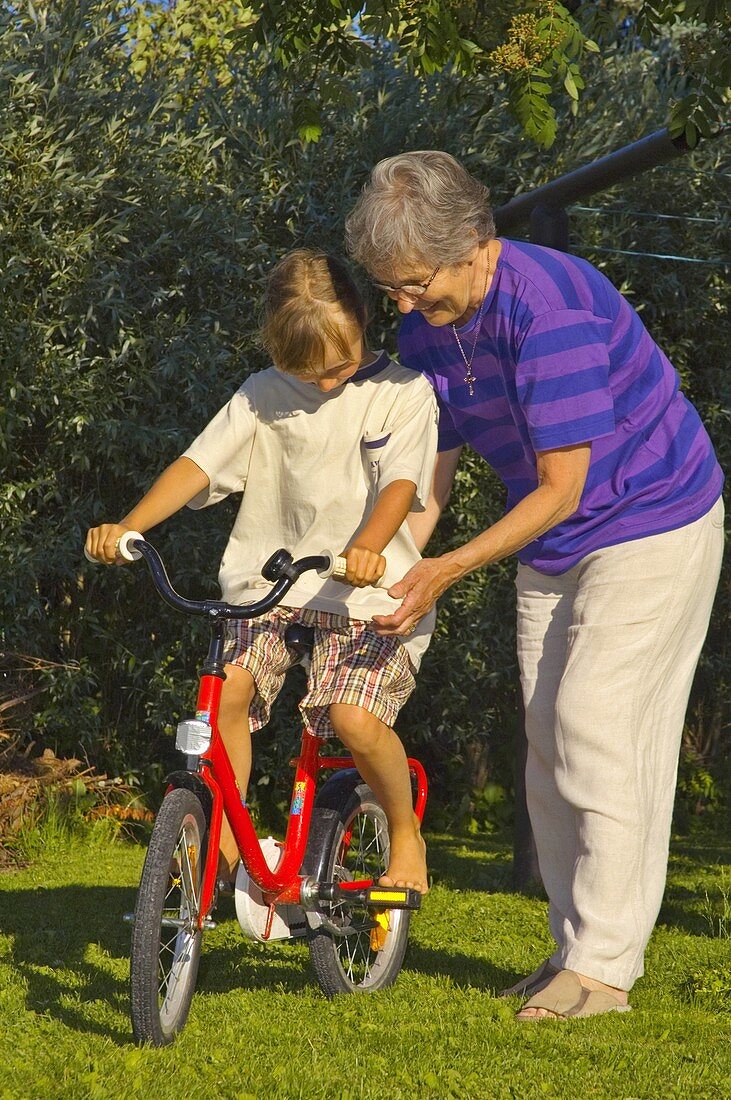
[392, 897]
[372, 897]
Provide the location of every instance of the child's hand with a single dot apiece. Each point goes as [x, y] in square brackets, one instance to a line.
[364, 566]
[102, 542]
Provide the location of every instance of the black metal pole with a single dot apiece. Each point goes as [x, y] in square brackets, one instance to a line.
[648, 152]
[549, 225]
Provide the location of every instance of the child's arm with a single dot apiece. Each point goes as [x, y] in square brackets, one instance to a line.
[176, 485]
[366, 565]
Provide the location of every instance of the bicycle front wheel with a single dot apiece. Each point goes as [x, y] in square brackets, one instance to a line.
[356, 950]
[166, 939]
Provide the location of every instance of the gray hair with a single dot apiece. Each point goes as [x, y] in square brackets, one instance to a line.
[418, 209]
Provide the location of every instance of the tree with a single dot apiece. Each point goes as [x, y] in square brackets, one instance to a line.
[140, 214]
[539, 55]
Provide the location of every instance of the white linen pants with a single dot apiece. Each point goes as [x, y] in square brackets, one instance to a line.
[607, 653]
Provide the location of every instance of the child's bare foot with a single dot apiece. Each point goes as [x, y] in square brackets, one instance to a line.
[407, 865]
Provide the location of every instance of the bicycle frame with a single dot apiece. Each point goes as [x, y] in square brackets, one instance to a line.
[282, 885]
[213, 769]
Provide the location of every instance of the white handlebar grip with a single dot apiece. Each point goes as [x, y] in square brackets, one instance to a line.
[123, 548]
[338, 567]
[122, 541]
[330, 567]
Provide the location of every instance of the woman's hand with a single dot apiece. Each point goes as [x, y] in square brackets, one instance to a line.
[420, 589]
[364, 566]
[102, 542]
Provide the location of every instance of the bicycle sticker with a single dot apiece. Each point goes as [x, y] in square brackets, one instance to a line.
[298, 800]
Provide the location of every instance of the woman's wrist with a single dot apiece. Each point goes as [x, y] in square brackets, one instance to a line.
[453, 567]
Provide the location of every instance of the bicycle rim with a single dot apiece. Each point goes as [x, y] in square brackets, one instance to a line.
[179, 947]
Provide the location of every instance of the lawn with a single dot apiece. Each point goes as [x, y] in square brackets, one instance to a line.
[259, 1027]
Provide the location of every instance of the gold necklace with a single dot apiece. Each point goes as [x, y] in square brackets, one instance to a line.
[469, 377]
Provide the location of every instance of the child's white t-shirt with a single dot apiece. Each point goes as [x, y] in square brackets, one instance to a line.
[311, 465]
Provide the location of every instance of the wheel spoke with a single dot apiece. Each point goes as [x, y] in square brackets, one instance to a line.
[358, 848]
[189, 895]
[365, 850]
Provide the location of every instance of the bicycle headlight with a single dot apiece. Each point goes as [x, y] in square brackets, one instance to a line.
[193, 737]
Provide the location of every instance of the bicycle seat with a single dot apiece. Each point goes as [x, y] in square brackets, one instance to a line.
[300, 638]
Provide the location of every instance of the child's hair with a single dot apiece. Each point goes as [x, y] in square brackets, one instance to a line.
[298, 310]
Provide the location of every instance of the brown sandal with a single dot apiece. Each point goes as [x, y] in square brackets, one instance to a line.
[534, 983]
[567, 998]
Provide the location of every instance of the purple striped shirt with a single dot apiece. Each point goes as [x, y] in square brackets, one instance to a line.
[562, 358]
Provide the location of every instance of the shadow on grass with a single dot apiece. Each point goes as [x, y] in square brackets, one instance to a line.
[71, 947]
[480, 864]
[692, 908]
[53, 930]
[484, 864]
[465, 971]
[680, 909]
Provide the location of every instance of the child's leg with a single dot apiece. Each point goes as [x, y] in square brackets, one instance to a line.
[380, 758]
[233, 723]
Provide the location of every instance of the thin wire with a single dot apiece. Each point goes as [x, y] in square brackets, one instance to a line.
[641, 214]
[655, 256]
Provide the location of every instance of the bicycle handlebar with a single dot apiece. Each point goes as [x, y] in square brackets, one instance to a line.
[280, 568]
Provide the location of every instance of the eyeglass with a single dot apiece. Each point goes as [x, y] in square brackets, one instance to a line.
[412, 290]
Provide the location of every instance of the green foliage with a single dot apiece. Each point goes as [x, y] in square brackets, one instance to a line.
[539, 52]
[542, 52]
[695, 88]
[699, 93]
[137, 225]
[63, 823]
[698, 794]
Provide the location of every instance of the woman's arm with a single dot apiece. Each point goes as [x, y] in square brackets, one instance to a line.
[176, 485]
[422, 524]
[561, 478]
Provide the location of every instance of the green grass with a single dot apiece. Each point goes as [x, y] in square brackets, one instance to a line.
[260, 1028]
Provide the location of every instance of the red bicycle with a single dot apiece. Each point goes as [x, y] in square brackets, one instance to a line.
[320, 883]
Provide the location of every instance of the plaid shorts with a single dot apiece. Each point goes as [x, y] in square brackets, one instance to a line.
[350, 664]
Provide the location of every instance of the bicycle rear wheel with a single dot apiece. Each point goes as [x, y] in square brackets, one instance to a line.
[358, 953]
[166, 940]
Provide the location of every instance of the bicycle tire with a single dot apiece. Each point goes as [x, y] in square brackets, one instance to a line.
[350, 841]
[164, 957]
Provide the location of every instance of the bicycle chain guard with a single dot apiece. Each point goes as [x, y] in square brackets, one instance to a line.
[253, 913]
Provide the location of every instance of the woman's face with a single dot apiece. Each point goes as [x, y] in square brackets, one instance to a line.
[446, 299]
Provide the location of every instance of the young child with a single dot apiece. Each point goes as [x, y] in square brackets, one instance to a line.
[333, 446]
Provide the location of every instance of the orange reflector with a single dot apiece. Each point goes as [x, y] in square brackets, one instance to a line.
[380, 932]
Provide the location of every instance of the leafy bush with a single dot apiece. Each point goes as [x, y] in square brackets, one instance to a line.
[137, 228]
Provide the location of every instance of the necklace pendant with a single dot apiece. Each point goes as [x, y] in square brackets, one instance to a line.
[470, 380]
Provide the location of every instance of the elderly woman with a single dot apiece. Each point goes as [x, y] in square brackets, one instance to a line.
[614, 512]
